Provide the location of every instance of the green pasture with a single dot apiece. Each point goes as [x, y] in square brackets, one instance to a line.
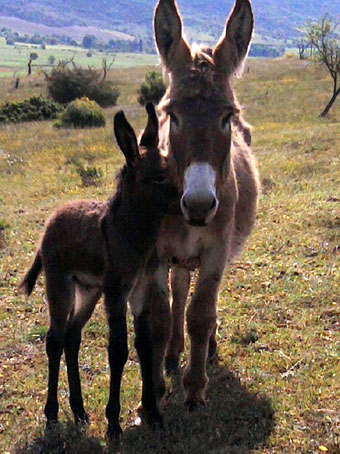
[14, 59]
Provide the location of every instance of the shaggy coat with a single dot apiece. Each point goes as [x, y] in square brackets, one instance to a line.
[214, 170]
[89, 248]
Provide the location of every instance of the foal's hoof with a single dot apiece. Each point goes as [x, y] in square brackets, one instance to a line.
[81, 419]
[114, 431]
[171, 364]
[153, 418]
[51, 424]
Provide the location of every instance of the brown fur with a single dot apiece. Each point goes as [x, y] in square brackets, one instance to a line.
[199, 100]
[89, 248]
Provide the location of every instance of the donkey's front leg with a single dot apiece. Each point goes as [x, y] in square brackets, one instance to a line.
[115, 304]
[201, 322]
[180, 283]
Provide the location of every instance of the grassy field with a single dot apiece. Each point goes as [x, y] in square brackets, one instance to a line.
[14, 59]
[275, 389]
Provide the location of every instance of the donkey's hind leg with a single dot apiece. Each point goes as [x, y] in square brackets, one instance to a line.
[60, 295]
[85, 303]
[180, 283]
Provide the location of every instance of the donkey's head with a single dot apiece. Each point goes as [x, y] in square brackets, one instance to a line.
[145, 176]
[200, 104]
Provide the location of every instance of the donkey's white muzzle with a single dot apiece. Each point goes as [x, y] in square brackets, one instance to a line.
[199, 203]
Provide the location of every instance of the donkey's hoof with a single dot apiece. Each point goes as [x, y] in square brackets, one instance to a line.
[192, 403]
[171, 364]
[212, 352]
[114, 431]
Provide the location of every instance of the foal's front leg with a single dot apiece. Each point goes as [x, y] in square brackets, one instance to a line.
[201, 322]
[115, 304]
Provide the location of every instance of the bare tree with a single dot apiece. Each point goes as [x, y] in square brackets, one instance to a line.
[302, 46]
[107, 66]
[326, 44]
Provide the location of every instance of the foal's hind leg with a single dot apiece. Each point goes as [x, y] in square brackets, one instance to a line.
[158, 292]
[60, 295]
[180, 283]
[85, 303]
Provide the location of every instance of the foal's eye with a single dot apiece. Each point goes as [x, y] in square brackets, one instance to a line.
[159, 179]
[226, 121]
[174, 120]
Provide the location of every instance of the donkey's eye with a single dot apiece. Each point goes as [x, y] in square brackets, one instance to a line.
[174, 120]
[226, 121]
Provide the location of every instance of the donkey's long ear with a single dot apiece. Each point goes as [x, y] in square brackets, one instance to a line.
[172, 47]
[126, 139]
[232, 48]
[150, 135]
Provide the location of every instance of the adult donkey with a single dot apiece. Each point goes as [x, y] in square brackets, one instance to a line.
[215, 171]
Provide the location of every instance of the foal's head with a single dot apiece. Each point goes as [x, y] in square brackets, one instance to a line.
[144, 178]
[200, 104]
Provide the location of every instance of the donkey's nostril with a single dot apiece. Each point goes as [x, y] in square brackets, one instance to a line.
[213, 204]
[184, 203]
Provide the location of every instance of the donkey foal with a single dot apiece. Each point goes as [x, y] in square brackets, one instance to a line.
[90, 248]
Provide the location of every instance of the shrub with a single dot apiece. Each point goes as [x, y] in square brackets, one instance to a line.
[3, 227]
[90, 176]
[35, 108]
[152, 89]
[82, 113]
[67, 84]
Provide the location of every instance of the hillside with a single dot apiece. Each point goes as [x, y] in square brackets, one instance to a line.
[275, 19]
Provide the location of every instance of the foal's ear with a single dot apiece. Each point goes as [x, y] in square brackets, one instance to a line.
[126, 139]
[150, 135]
[172, 47]
[232, 48]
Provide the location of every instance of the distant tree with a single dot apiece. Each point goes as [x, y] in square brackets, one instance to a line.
[326, 44]
[10, 41]
[302, 47]
[88, 41]
[51, 60]
[107, 66]
[29, 65]
[33, 56]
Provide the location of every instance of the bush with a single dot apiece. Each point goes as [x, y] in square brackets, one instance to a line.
[152, 90]
[35, 108]
[82, 113]
[67, 84]
[90, 176]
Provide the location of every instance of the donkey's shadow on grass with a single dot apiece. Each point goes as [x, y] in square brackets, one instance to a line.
[234, 421]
